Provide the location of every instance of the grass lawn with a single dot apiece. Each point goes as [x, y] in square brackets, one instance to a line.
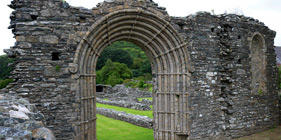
[140, 99]
[130, 111]
[110, 129]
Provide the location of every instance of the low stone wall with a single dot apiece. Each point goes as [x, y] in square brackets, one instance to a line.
[126, 104]
[138, 120]
[121, 92]
[147, 102]
[20, 120]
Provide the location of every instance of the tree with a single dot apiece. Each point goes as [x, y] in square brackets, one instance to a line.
[4, 83]
[137, 63]
[114, 80]
[116, 55]
[128, 53]
[113, 73]
[5, 70]
[146, 68]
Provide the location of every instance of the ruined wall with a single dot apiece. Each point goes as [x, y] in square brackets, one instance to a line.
[222, 102]
[42, 29]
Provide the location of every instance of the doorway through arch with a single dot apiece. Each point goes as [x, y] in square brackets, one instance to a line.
[168, 54]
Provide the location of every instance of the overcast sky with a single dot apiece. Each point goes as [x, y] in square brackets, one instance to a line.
[267, 11]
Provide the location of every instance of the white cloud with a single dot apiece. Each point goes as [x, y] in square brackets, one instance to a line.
[6, 36]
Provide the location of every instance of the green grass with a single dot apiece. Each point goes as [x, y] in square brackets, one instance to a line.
[110, 129]
[150, 89]
[130, 111]
[140, 99]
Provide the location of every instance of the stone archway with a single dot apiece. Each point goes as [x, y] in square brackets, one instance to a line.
[170, 63]
[224, 49]
[258, 64]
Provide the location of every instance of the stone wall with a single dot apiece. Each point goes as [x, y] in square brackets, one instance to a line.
[19, 119]
[121, 92]
[142, 121]
[222, 102]
[222, 98]
[126, 104]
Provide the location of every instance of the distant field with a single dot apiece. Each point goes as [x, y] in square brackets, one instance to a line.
[130, 111]
[110, 129]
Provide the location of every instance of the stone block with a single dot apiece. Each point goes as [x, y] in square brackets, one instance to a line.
[20, 38]
[32, 39]
[51, 39]
[24, 45]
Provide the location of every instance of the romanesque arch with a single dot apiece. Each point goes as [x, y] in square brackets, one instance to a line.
[168, 54]
[258, 64]
[210, 100]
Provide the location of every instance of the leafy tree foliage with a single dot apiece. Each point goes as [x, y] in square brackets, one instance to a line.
[141, 67]
[116, 55]
[5, 71]
[4, 83]
[137, 63]
[129, 54]
[4, 68]
[113, 73]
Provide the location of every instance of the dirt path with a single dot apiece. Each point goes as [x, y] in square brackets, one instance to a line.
[272, 134]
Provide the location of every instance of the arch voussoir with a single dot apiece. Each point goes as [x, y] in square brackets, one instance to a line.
[164, 46]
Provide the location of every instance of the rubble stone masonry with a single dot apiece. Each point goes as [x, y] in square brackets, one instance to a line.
[222, 81]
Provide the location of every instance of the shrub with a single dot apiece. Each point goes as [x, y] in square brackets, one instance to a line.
[113, 73]
[126, 81]
[260, 92]
[4, 83]
[114, 80]
[4, 66]
[132, 84]
[140, 85]
[57, 68]
[145, 85]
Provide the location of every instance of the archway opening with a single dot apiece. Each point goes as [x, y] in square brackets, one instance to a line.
[169, 58]
[125, 70]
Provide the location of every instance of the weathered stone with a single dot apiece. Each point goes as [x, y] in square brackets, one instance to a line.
[10, 53]
[24, 45]
[17, 120]
[205, 67]
[20, 38]
[32, 39]
[138, 120]
[51, 39]
[46, 13]
[43, 133]
[126, 104]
